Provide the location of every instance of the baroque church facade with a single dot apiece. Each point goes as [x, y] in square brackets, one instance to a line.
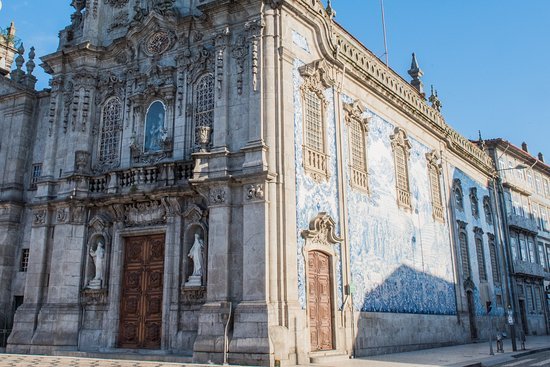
[237, 180]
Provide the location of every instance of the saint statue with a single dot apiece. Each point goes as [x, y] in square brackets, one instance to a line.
[196, 254]
[98, 256]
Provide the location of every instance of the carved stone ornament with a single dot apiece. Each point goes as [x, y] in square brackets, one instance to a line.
[93, 296]
[217, 195]
[116, 3]
[158, 43]
[193, 295]
[193, 214]
[255, 192]
[354, 111]
[145, 213]
[317, 75]
[39, 217]
[399, 138]
[61, 215]
[203, 137]
[77, 214]
[433, 160]
[321, 231]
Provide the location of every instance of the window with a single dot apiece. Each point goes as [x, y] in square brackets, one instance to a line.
[546, 188]
[538, 183]
[155, 131]
[458, 195]
[36, 173]
[401, 147]
[358, 128]
[204, 109]
[540, 247]
[109, 137]
[24, 263]
[514, 245]
[494, 262]
[531, 245]
[523, 248]
[474, 202]
[488, 210]
[538, 299]
[464, 253]
[529, 296]
[543, 218]
[547, 265]
[314, 103]
[434, 172]
[480, 254]
[530, 178]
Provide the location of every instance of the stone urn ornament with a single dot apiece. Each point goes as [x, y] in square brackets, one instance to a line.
[203, 134]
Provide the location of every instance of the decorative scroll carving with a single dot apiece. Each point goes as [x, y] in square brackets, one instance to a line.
[158, 43]
[61, 215]
[94, 296]
[193, 295]
[217, 195]
[321, 231]
[255, 192]
[145, 213]
[317, 75]
[39, 217]
[119, 21]
[239, 53]
[116, 3]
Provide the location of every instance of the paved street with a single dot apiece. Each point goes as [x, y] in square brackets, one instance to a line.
[534, 360]
[15, 360]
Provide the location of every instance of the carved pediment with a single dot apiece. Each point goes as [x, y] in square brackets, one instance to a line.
[318, 74]
[145, 213]
[321, 231]
[354, 111]
[399, 138]
[433, 160]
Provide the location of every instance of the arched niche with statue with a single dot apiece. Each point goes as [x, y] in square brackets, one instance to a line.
[98, 252]
[194, 248]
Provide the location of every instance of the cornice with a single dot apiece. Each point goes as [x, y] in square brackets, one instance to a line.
[340, 47]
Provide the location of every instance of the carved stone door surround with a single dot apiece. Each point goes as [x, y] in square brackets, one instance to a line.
[321, 258]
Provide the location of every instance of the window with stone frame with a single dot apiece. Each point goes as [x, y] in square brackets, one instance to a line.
[480, 254]
[401, 150]
[494, 260]
[203, 114]
[434, 172]
[36, 173]
[24, 263]
[357, 132]
[314, 103]
[109, 136]
[458, 194]
[474, 202]
[464, 251]
[487, 208]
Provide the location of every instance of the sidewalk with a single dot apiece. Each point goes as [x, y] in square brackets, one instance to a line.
[455, 356]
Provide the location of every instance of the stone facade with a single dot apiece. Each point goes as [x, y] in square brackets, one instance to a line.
[525, 193]
[285, 194]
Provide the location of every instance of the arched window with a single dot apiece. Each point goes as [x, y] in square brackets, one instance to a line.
[401, 147]
[474, 202]
[155, 132]
[435, 185]
[464, 252]
[487, 209]
[109, 136]
[358, 128]
[480, 253]
[204, 106]
[459, 196]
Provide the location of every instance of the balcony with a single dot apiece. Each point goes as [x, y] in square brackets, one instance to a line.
[522, 223]
[529, 268]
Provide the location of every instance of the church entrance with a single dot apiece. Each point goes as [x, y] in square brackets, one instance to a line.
[320, 301]
[472, 314]
[142, 283]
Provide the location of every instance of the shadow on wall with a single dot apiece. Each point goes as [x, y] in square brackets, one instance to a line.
[408, 290]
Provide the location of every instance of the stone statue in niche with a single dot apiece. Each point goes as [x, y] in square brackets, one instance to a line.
[98, 257]
[196, 254]
[155, 133]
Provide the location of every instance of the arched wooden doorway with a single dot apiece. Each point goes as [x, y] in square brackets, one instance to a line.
[320, 302]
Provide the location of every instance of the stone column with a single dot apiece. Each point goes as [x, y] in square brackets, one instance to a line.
[59, 318]
[250, 329]
[20, 339]
[209, 344]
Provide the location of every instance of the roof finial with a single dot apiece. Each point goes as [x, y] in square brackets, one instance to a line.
[330, 10]
[434, 99]
[416, 73]
[18, 74]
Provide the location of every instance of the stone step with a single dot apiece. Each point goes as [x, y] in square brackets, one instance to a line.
[129, 355]
[330, 356]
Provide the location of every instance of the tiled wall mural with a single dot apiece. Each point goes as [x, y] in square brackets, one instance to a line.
[401, 261]
[313, 197]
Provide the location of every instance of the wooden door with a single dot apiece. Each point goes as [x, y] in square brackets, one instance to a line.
[141, 302]
[472, 315]
[320, 301]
